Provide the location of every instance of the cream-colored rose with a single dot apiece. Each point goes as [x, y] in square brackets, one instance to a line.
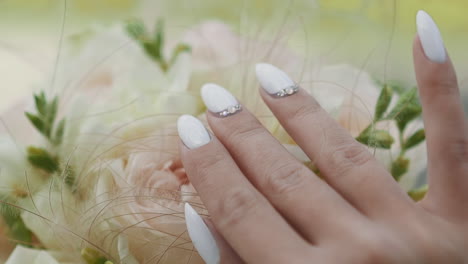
[145, 187]
[120, 80]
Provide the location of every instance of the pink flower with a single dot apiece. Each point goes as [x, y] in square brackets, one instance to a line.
[145, 186]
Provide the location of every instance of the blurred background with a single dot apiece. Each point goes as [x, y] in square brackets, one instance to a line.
[374, 35]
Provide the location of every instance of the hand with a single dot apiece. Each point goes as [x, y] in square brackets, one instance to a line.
[269, 208]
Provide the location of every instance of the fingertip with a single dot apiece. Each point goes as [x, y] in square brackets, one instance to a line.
[202, 238]
[430, 38]
[274, 80]
[192, 132]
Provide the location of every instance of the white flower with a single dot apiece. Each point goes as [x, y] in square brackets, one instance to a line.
[121, 143]
[144, 186]
[120, 81]
[22, 255]
[17, 178]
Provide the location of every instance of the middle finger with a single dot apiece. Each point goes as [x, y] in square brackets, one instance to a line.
[305, 201]
[346, 164]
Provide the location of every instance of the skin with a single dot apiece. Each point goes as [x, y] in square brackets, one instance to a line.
[269, 208]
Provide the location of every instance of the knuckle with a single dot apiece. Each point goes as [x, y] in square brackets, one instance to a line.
[376, 247]
[459, 150]
[206, 163]
[244, 130]
[304, 110]
[367, 247]
[285, 178]
[348, 156]
[375, 252]
[443, 86]
[235, 205]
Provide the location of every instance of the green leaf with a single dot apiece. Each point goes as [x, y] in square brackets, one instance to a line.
[159, 37]
[9, 212]
[397, 87]
[36, 121]
[415, 139]
[400, 167]
[152, 50]
[92, 256]
[51, 114]
[17, 230]
[406, 109]
[69, 177]
[6, 210]
[419, 193]
[59, 130]
[41, 103]
[153, 44]
[383, 102]
[410, 113]
[136, 29]
[404, 101]
[41, 159]
[20, 232]
[47, 112]
[376, 138]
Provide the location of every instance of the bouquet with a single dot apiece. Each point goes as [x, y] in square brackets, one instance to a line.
[89, 165]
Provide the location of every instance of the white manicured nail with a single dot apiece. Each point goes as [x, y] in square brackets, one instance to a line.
[201, 236]
[275, 81]
[430, 37]
[219, 101]
[192, 132]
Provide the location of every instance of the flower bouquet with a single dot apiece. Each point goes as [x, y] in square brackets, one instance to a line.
[89, 165]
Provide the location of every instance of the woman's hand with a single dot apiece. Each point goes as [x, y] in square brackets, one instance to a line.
[267, 207]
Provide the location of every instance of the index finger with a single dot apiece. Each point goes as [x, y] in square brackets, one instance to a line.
[244, 217]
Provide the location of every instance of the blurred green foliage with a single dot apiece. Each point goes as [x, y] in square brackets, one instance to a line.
[380, 32]
[451, 14]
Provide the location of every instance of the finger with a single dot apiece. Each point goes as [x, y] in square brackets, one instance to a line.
[228, 255]
[290, 186]
[444, 120]
[209, 243]
[240, 213]
[346, 164]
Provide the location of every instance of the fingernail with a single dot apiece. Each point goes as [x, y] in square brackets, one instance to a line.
[192, 132]
[430, 37]
[201, 236]
[219, 101]
[275, 81]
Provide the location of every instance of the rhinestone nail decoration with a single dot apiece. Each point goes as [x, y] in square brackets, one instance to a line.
[290, 90]
[230, 111]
